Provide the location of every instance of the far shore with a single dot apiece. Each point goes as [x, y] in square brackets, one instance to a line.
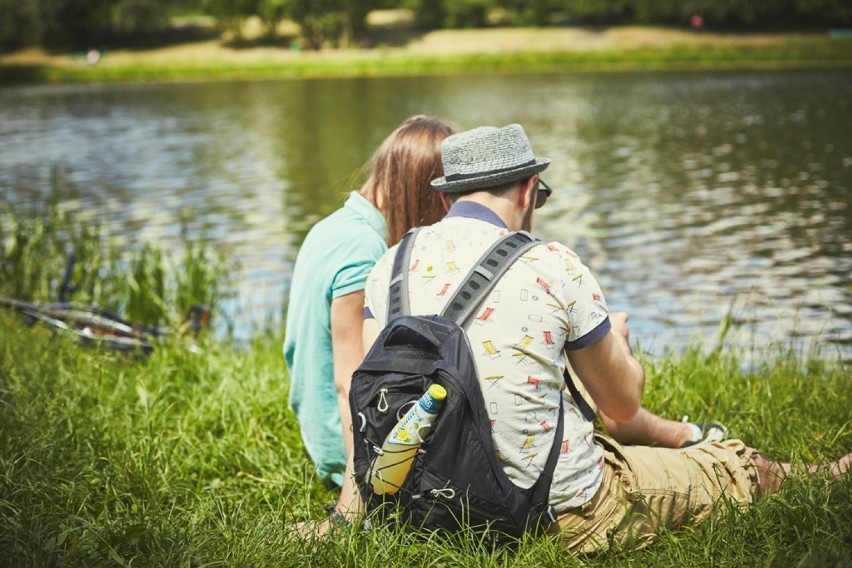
[408, 52]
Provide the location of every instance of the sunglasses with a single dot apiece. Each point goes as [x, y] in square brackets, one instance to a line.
[543, 193]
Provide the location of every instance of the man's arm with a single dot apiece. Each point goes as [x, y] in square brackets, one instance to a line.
[347, 321]
[609, 372]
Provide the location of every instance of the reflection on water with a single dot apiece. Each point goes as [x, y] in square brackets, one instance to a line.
[687, 194]
[726, 192]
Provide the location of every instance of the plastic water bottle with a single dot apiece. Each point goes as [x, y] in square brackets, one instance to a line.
[391, 466]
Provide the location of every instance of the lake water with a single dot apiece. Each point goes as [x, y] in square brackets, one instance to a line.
[688, 195]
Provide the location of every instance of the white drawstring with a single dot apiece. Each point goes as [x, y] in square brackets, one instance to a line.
[447, 492]
[383, 401]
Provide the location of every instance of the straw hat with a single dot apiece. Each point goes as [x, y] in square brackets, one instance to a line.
[486, 157]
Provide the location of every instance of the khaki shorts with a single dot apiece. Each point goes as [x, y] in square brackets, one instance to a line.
[646, 489]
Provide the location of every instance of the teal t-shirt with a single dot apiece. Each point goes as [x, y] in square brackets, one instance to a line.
[334, 260]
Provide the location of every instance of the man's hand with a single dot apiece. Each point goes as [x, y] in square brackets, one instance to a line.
[618, 321]
[311, 529]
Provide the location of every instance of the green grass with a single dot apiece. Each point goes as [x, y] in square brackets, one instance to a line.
[194, 459]
[191, 457]
[788, 52]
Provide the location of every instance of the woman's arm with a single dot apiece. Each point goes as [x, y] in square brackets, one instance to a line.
[347, 322]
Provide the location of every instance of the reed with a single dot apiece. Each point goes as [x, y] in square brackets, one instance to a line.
[141, 282]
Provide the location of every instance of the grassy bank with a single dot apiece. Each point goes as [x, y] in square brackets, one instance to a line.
[655, 50]
[194, 459]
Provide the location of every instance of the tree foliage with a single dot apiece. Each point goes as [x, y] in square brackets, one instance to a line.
[78, 24]
[138, 17]
[74, 23]
[230, 14]
[20, 24]
[332, 22]
[272, 13]
[532, 12]
[433, 14]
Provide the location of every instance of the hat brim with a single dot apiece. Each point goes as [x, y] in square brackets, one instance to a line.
[490, 180]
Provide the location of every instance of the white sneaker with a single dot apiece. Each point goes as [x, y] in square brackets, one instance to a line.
[708, 432]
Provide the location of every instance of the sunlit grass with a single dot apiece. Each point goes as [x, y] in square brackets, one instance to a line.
[193, 458]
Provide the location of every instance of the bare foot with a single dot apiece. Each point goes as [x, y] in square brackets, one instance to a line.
[771, 474]
[837, 469]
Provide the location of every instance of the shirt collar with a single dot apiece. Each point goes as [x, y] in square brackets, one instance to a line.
[368, 211]
[475, 211]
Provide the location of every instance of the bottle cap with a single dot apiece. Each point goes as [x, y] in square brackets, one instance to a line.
[437, 392]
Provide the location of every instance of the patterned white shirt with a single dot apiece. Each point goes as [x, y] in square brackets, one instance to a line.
[546, 302]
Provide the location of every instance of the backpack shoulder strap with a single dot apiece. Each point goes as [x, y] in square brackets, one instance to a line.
[398, 295]
[479, 281]
[539, 492]
[482, 277]
[582, 404]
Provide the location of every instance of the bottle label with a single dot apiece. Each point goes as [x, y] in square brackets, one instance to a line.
[430, 404]
[420, 416]
[407, 431]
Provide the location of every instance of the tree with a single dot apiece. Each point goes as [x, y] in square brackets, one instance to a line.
[332, 21]
[79, 24]
[744, 13]
[358, 10]
[531, 12]
[138, 18]
[319, 20]
[20, 25]
[272, 12]
[466, 13]
[75, 24]
[829, 12]
[429, 14]
[599, 11]
[230, 14]
[451, 13]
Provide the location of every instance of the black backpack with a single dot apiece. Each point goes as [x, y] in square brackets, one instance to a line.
[455, 480]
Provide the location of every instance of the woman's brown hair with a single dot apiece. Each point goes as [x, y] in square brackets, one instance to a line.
[400, 172]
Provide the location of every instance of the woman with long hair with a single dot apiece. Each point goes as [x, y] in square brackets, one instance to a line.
[322, 344]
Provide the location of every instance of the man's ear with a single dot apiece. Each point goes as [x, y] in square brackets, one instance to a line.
[526, 196]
